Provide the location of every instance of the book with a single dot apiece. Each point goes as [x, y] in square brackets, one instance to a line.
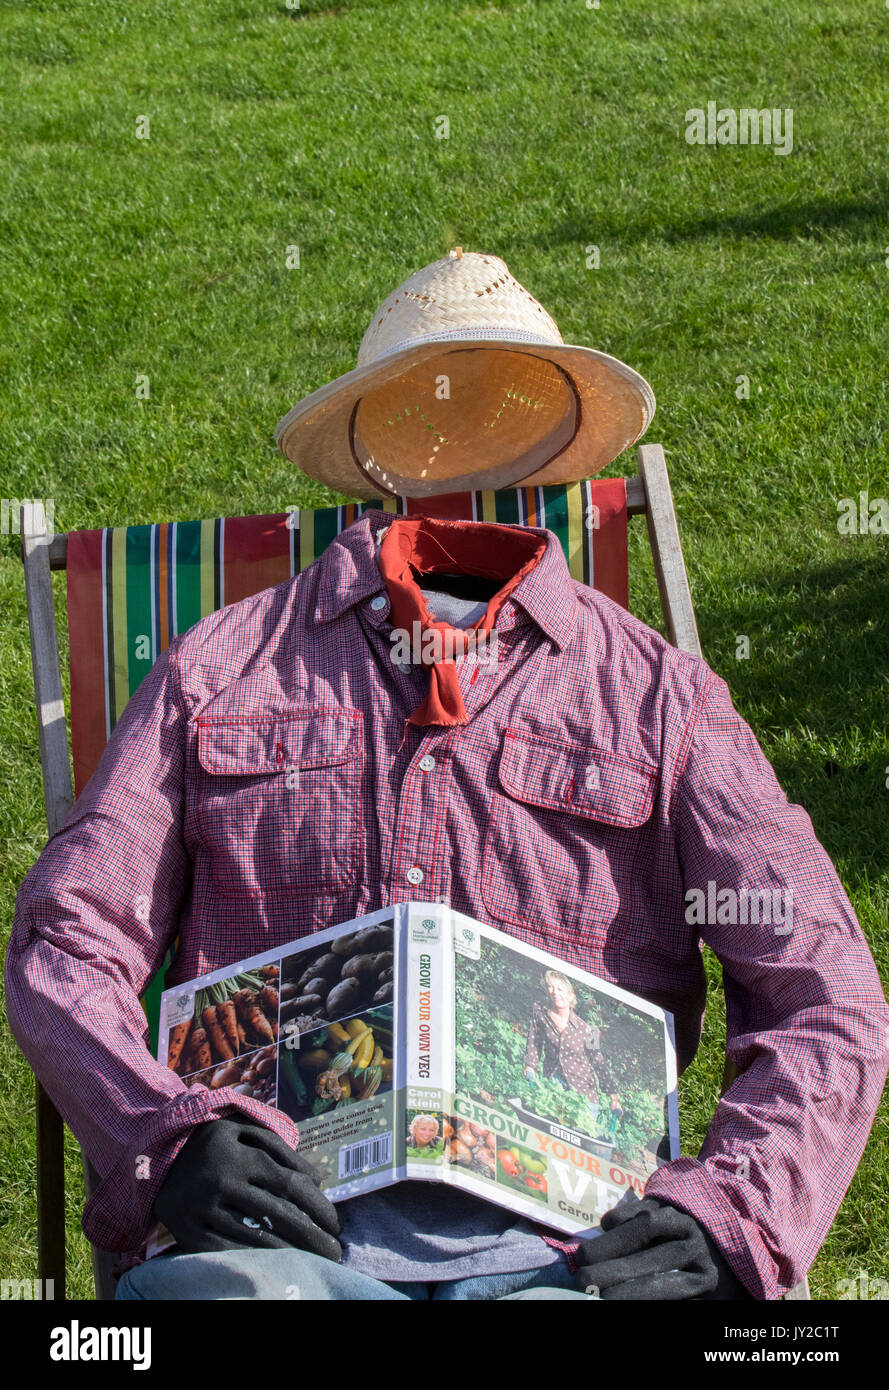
[416, 1043]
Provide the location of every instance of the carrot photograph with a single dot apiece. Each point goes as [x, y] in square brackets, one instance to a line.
[221, 1045]
[252, 1016]
[178, 1038]
[231, 1018]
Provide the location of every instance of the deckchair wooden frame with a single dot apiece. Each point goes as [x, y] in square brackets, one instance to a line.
[648, 494]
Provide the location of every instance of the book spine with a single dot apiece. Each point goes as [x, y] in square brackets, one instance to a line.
[447, 1058]
[400, 1039]
[429, 1043]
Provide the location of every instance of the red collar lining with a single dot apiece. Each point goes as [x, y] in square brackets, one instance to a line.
[425, 545]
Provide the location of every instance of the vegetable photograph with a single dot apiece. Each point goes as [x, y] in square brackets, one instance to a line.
[332, 1067]
[343, 977]
[473, 1147]
[254, 1075]
[230, 1019]
[521, 1169]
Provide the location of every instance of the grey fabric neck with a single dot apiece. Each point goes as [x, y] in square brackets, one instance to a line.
[459, 612]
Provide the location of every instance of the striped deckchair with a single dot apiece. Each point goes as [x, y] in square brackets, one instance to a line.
[130, 589]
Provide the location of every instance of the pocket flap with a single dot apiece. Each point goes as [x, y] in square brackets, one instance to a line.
[583, 780]
[267, 743]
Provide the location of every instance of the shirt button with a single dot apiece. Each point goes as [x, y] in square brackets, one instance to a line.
[378, 603]
[415, 875]
[427, 763]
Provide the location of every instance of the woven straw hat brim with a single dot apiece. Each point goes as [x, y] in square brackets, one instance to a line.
[616, 406]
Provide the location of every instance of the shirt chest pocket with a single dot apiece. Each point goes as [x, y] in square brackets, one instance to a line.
[563, 837]
[279, 800]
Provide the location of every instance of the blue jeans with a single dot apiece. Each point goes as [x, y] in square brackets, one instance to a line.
[293, 1274]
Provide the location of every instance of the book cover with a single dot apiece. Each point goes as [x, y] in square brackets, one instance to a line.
[418, 1044]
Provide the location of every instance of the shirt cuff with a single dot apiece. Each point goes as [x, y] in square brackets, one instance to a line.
[687, 1185]
[119, 1214]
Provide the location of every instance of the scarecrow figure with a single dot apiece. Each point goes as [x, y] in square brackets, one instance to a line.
[440, 779]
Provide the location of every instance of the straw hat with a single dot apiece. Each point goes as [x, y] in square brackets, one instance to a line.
[463, 382]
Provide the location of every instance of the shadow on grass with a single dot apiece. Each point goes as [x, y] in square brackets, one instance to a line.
[816, 689]
[773, 224]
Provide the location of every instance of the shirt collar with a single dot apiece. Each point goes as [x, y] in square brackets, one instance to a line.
[348, 573]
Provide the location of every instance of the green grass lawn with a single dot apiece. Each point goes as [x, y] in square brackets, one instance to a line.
[165, 257]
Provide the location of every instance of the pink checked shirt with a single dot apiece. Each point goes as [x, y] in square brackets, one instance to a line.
[602, 774]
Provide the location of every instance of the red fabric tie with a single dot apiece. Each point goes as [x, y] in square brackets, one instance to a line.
[414, 546]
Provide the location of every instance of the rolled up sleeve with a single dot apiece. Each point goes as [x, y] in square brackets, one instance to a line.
[93, 919]
[807, 1023]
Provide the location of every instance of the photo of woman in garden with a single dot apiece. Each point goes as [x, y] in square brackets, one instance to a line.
[566, 1048]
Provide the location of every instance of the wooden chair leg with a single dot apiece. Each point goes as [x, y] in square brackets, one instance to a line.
[50, 1195]
[58, 798]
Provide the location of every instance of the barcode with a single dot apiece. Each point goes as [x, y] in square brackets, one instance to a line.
[365, 1155]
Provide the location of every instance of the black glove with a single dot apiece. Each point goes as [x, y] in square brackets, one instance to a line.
[651, 1250]
[235, 1184]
